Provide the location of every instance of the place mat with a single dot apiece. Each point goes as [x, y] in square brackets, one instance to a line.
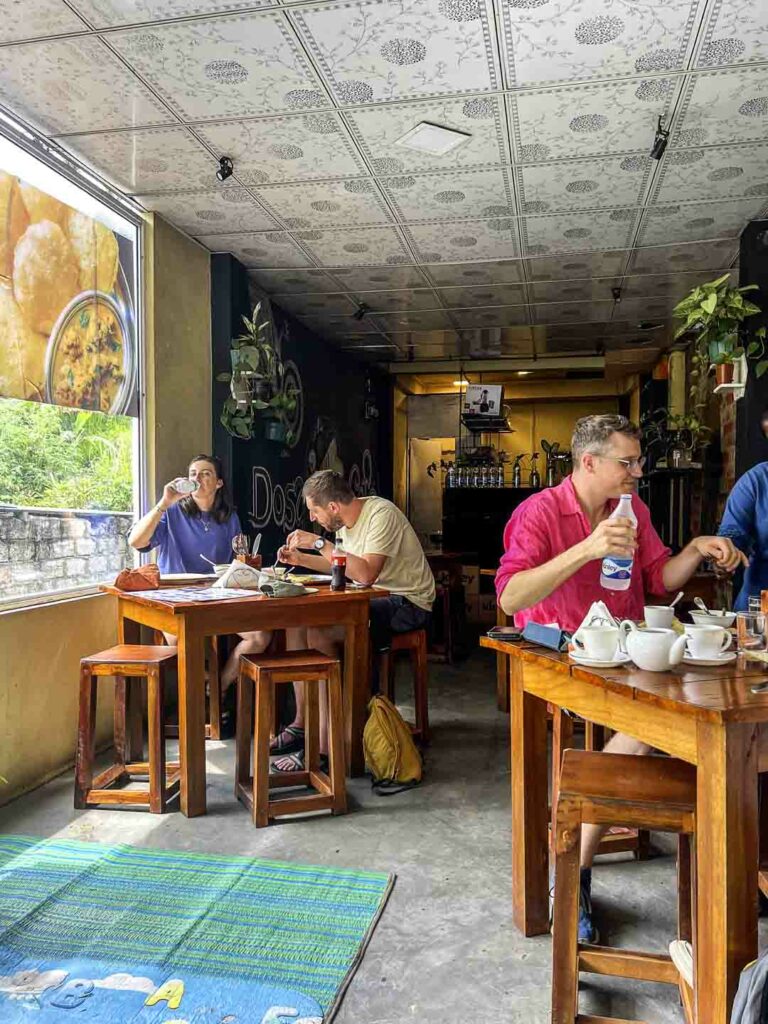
[183, 594]
[125, 935]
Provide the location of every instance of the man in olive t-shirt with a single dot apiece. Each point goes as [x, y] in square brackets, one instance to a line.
[382, 551]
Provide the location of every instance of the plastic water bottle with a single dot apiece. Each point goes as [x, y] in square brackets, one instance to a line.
[184, 486]
[616, 573]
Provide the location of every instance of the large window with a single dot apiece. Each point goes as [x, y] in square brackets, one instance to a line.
[69, 382]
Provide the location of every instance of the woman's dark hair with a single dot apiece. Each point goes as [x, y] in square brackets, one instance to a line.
[222, 503]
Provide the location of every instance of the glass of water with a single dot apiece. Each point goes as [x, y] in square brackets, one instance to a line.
[750, 632]
[754, 603]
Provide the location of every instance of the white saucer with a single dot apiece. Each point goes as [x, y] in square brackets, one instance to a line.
[723, 659]
[619, 658]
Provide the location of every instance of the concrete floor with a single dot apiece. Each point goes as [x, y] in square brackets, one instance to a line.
[445, 950]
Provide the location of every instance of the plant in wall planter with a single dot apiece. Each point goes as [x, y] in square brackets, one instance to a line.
[256, 385]
[713, 313]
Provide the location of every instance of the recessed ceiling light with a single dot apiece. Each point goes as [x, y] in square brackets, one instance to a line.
[460, 383]
[432, 138]
[523, 373]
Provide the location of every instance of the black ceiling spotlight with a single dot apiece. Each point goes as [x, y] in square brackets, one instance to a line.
[660, 141]
[361, 312]
[226, 168]
[616, 293]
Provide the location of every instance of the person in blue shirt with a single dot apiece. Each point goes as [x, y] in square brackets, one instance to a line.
[745, 521]
[182, 527]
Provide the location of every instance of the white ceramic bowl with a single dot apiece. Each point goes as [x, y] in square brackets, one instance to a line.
[724, 619]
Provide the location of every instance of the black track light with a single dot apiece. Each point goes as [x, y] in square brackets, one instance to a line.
[226, 168]
[361, 312]
[660, 141]
[616, 293]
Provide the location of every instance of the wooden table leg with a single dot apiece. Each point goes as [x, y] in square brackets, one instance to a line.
[191, 664]
[528, 732]
[357, 687]
[128, 708]
[502, 669]
[726, 864]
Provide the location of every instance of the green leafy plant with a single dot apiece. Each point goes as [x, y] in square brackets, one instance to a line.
[714, 312]
[256, 383]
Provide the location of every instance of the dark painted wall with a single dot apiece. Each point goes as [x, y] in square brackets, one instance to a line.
[266, 476]
[751, 445]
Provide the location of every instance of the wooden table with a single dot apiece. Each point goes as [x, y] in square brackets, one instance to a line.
[706, 716]
[192, 621]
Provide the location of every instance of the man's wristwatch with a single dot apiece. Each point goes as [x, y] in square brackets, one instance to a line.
[318, 545]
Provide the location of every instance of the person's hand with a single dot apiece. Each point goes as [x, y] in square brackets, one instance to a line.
[301, 539]
[171, 495]
[722, 551]
[612, 537]
[290, 556]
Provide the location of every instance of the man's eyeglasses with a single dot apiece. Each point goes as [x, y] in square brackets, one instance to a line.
[631, 464]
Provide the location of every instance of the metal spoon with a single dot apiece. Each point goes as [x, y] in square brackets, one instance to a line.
[673, 603]
[208, 561]
[700, 605]
[256, 545]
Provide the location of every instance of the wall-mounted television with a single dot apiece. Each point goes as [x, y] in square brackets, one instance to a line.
[483, 399]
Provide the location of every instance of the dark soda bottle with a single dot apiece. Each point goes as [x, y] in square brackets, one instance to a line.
[338, 567]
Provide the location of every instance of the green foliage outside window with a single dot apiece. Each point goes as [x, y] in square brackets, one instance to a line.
[60, 458]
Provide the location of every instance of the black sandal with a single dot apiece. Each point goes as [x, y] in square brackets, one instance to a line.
[288, 741]
[295, 763]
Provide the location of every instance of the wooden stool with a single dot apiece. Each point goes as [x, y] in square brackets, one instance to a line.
[135, 662]
[214, 646]
[415, 643]
[265, 672]
[606, 789]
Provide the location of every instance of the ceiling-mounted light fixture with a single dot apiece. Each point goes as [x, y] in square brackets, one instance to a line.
[226, 168]
[460, 383]
[361, 312]
[660, 141]
[616, 293]
[432, 138]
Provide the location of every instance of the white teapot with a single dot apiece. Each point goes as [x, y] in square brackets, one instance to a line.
[655, 650]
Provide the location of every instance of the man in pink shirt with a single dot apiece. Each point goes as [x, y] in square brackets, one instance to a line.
[554, 544]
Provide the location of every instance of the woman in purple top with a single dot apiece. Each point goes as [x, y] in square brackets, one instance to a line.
[185, 526]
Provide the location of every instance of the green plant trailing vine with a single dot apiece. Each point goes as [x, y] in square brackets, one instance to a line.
[256, 382]
[714, 313]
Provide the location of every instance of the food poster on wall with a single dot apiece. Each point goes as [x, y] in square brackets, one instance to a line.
[67, 302]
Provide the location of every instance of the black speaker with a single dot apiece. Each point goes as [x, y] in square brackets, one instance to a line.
[751, 444]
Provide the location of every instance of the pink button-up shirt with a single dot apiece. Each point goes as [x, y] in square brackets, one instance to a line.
[550, 522]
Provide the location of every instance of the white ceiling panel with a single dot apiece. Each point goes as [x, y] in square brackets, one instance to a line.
[30, 19]
[269, 249]
[719, 173]
[450, 196]
[227, 210]
[471, 275]
[376, 278]
[313, 305]
[587, 290]
[678, 258]
[109, 13]
[577, 265]
[736, 33]
[688, 222]
[581, 312]
[429, 320]
[724, 106]
[363, 245]
[318, 204]
[584, 184]
[392, 302]
[483, 295]
[500, 316]
[579, 232]
[469, 240]
[282, 281]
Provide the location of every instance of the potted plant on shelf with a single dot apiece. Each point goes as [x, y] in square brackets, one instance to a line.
[714, 313]
[256, 385]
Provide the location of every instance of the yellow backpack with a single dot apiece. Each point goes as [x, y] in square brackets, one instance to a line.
[390, 753]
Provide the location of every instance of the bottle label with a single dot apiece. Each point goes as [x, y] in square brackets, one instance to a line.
[617, 568]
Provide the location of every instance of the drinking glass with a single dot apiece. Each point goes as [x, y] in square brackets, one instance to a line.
[750, 632]
[754, 603]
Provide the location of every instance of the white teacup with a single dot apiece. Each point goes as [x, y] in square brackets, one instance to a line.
[706, 641]
[597, 642]
[658, 616]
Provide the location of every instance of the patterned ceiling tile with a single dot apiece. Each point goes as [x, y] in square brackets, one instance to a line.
[587, 120]
[361, 279]
[317, 204]
[149, 160]
[585, 312]
[466, 240]
[563, 40]
[107, 13]
[430, 320]
[229, 209]
[589, 290]
[376, 130]
[673, 286]
[578, 232]
[469, 275]
[360, 247]
[584, 184]
[581, 265]
[452, 195]
[737, 32]
[652, 307]
[724, 106]
[397, 49]
[229, 67]
[722, 173]
[268, 249]
[75, 85]
[29, 19]
[499, 316]
[314, 305]
[383, 302]
[677, 258]
[483, 295]
[273, 281]
[287, 149]
[688, 223]
[341, 326]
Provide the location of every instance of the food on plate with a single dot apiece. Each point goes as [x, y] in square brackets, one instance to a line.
[45, 274]
[96, 252]
[22, 352]
[41, 206]
[14, 221]
[88, 359]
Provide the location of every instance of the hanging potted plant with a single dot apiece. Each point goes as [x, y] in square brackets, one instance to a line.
[256, 385]
[714, 312]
